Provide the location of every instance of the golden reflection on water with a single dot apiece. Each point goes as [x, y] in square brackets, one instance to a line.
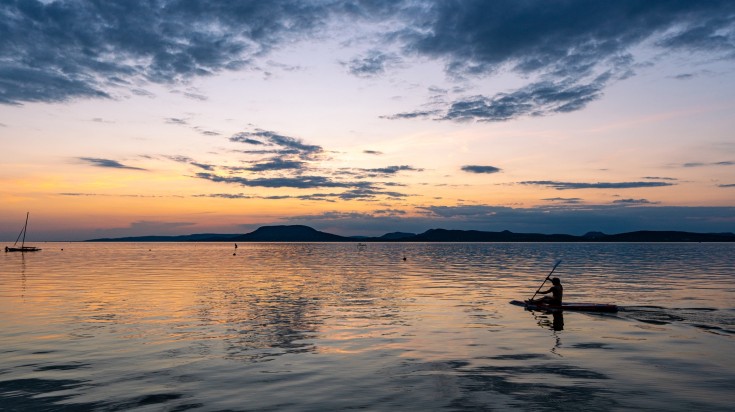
[358, 320]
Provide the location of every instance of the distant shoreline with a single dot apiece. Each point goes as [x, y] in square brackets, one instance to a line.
[299, 233]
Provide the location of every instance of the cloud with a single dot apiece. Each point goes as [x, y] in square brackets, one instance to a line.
[564, 200]
[277, 164]
[703, 164]
[480, 169]
[570, 50]
[206, 132]
[296, 165]
[299, 182]
[188, 160]
[56, 51]
[573, 219]
[727, 185]
[204, 166]
[660, 178]
[176, 120]
[391, 170]
[372, 152]
[290, 145]
[225, 195]
[419, 114]
[94, 161]
[599, 185]
[374, 63]
[79, 194]
[634, 202]
[570, 219]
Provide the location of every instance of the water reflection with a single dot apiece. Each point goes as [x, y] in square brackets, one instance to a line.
[258, 321]
[340, 326]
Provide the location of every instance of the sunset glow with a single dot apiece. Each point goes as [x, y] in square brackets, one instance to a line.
[166, 117]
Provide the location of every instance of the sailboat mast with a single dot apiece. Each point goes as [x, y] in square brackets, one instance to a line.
[25, 227]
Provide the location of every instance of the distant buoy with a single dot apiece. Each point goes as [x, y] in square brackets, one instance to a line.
[235, 245]
[234, 254]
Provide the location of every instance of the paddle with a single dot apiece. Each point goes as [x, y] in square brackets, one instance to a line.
[547, 278]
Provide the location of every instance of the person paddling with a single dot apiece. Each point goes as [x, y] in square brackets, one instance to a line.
[557, 293]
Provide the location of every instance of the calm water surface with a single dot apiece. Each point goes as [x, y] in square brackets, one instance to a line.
[313, 327]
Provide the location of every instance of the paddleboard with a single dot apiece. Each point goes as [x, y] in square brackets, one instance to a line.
[579, 307]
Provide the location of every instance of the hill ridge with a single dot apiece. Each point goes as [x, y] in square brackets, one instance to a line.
[303, 233]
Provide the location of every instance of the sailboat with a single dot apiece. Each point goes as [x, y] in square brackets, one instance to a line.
[23, 247]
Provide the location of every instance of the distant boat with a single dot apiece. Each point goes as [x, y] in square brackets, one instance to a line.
[23, 247]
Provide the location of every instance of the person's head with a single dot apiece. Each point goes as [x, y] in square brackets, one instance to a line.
[556, 281]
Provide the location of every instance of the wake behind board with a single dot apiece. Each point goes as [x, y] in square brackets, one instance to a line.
[578, 307]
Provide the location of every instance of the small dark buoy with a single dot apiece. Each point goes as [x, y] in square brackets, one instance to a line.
[404, 258]
[235, 245]
[234, 254]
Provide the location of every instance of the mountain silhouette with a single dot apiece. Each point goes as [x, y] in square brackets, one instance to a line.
[289, 233]
[301, 233]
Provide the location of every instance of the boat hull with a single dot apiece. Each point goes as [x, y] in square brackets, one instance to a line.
[22, 249]
[577, 307]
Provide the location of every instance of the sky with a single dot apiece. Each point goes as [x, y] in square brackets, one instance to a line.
[166, 117]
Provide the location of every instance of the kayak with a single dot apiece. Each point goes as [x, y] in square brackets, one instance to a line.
[579, 307]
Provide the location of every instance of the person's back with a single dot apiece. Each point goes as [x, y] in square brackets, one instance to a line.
[557, 294]
[557, 291]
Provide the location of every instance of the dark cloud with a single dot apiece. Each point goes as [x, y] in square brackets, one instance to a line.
[142, 92]
[114, 164]
[727, 185]
[391, 170]
[225, 195]
[599, 185]
[419, 114]
[571, 50]
[372, 152]
[702, 164]
[480, 169]
[55, 51]
[361, 194]
[463, 210]
[206, 132]
[277, 164]
[536, 99]
[289, 145]
[244, 137]
[175, 120]
[299, 182]
[292, 163]
[684, 76]
[575, 48]
[660, 178]
[180, 159]
[564, 200]
[579, 219]
[373, 64]
[633, 202]
[188, 160]
[369, 193]
[204, 166]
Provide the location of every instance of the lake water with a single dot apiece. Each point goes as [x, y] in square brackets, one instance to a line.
[316, 327]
